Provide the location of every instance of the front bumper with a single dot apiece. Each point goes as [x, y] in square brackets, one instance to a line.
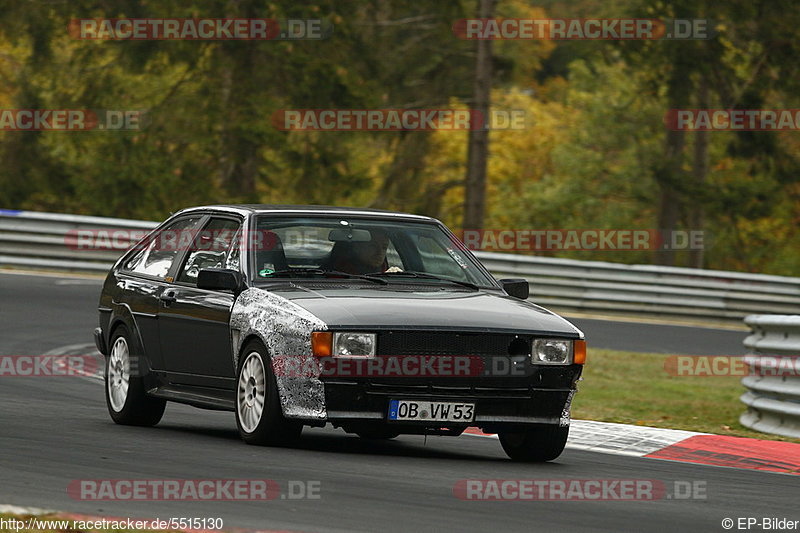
[543, 398]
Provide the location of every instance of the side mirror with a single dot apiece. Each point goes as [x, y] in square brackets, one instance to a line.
[219, 279]
[516, 287]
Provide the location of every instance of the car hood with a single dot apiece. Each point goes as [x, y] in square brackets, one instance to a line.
[385, 308]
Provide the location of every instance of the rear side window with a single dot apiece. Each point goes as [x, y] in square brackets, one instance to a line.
[156, 258]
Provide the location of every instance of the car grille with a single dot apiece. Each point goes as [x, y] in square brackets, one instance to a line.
[450, 343]
[432, 388]
[435, 388]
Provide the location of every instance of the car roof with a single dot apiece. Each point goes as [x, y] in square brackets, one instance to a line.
[246, 209]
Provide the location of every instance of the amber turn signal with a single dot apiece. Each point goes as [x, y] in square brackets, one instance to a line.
[321, 343]
[579, 352]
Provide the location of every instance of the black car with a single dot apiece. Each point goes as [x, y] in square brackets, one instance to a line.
[377, 322]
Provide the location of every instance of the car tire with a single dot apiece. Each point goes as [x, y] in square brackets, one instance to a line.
[535, 444]
[377, 434]
[126, 399]
[258, 407]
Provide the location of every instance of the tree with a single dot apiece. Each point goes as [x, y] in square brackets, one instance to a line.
[477, 154]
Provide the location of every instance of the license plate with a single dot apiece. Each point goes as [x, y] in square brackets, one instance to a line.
[431, 411]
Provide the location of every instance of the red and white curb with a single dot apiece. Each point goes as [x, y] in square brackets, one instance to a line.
[682, 446]
[622, 439]
[735, 452]
[616, 439]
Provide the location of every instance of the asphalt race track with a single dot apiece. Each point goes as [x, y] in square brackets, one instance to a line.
[55, 430]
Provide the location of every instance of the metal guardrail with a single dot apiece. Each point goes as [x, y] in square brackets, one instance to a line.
[648, 290]
[50, 240]
[47, 241]
[773, 386]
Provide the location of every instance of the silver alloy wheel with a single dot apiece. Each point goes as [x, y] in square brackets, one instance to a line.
[119, 373]
[251, 394]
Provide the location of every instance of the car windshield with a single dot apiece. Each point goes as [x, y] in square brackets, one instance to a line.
[336, 247]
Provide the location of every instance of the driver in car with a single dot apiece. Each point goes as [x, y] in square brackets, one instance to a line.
[360, 257]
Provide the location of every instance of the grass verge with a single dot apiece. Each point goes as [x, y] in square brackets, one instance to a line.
[634, 388]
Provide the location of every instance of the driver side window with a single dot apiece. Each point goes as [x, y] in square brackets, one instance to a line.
[214, 247]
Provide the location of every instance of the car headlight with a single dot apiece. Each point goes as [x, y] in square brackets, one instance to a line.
[551, 351]
[347, 344]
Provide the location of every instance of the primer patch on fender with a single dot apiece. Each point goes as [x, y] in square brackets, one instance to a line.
[565, 414]
[285, 328]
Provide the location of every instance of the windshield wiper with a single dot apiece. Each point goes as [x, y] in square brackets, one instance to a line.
[423, 275]
[321, 272]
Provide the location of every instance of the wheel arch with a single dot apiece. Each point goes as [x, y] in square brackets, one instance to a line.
[250, 337]
[121, 315]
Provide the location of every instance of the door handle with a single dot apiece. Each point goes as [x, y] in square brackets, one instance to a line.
[168, 297]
